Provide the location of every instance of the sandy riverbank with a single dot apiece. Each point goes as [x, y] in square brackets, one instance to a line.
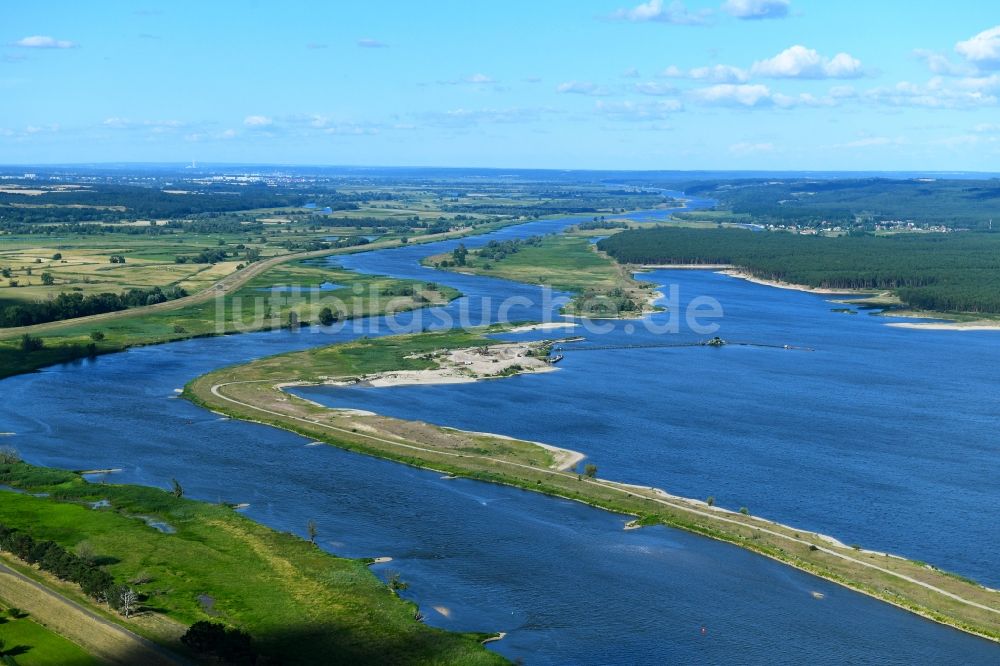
[732, 272]
[543, 327]
[459, 366]
[948, 326]
[693, 267]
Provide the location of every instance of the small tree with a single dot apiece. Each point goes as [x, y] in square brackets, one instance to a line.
[312, 530]
[326, 317]
[745, 511]
[396, 583]
[96, 336]
[293, 320]
[176, 490]
[47, 279]
[57, 256]
[128, 600]
[590, 470]
[85, 551]
[710, 501]
[9, 455]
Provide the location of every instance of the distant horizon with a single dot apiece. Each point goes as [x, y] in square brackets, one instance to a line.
[415, 167]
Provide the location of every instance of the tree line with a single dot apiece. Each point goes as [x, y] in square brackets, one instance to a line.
[74, 304]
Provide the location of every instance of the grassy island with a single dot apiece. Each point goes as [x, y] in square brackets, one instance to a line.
[255, 392]
[566, 262]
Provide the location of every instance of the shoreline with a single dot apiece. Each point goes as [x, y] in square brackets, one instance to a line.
[945, 326]
[742, 275]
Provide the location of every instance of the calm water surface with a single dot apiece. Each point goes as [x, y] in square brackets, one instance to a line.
[840, 439]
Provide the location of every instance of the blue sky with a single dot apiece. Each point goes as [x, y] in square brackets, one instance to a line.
[615, 84]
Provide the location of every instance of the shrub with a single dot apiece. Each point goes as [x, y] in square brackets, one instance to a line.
[30, 343]
[227, 644]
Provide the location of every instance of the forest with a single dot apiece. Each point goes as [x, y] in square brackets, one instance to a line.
[957, 272]
[967, 204]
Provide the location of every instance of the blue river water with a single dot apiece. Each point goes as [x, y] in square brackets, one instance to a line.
[847, 439]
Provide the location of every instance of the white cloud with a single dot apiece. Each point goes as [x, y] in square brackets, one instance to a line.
[44, 42]
[639, 111]
[369, 43]
[843, 92]
[937, 94]
[153, 126]
[728, 94]
[872, 142]
[631, 73]
[711, 73]
[802, 99]
[583, 88]
[750, 10]
[654, 10]
[744, 148]
[41, 129]
[804, 63]
[939, 63]
[478, 78]
[257, 121]
[719, 74]
[983, 49]
[463, 117]
[654, 88]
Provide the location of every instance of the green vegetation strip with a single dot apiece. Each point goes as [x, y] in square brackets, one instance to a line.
[300, 604]
[252, 392]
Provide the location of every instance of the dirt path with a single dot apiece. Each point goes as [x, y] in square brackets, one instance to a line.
[102, 638]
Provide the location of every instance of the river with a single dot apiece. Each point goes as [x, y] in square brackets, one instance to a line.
[848, 439]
